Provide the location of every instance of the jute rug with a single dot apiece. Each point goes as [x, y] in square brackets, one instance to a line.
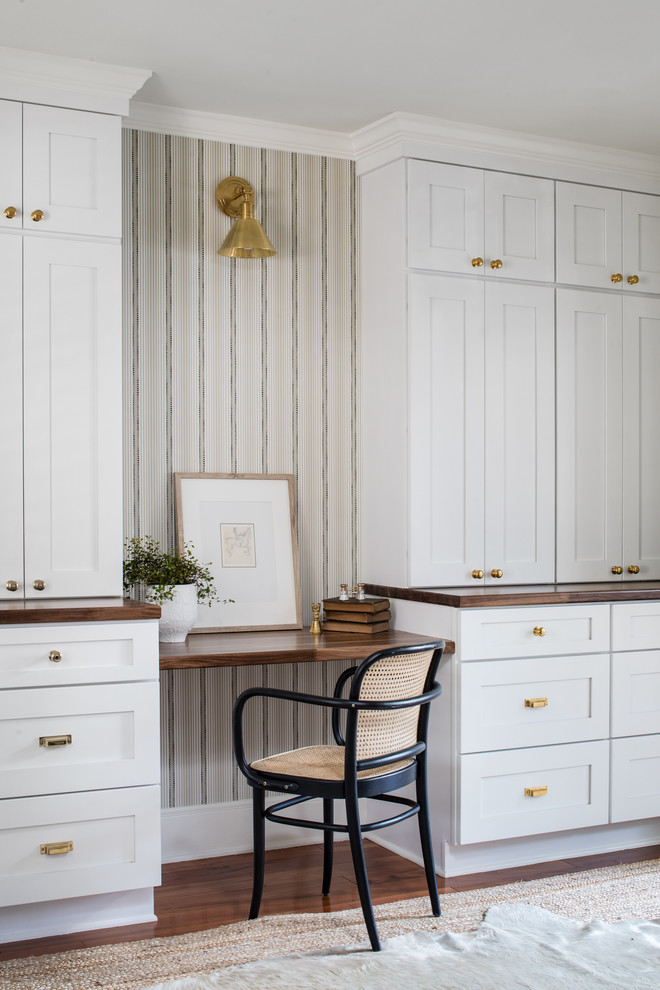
[611, 894]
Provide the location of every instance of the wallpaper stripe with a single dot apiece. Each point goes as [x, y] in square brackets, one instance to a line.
[240, 366]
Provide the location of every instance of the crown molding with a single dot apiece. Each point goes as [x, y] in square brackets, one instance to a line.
[55, 80]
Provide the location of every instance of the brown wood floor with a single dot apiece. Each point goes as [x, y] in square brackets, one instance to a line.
[207, 893]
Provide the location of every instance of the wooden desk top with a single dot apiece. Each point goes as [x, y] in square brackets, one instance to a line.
[238, 649]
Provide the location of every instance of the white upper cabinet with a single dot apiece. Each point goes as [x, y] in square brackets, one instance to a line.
[467, 220]
[11, 437]
[608, 458]
[60, 170]
[481, 432]
[607, 238]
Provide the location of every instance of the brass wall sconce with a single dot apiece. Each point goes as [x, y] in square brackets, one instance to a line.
[246, 238]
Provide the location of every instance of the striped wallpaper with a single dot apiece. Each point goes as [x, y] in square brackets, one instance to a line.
[240, 366]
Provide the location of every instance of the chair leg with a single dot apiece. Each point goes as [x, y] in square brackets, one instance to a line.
[258, 849]
[360, 868]
[328, 836]
[424, 823]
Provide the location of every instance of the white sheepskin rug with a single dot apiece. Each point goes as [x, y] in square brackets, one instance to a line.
[516, 947]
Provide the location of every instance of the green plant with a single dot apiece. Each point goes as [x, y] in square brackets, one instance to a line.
[146, 564]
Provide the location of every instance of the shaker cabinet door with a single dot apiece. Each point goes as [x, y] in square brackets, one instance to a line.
[11, 182]
[11, 434]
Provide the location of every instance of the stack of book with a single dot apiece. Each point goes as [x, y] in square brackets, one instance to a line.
[370, 615]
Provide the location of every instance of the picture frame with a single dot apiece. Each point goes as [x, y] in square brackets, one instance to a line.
[243, 527]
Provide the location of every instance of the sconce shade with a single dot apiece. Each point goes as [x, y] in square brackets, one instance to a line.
[246, 238]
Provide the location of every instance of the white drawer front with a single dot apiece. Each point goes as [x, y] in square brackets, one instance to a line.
[509, 704]
[115, 836]
[636, 626]
[635, 778]
[635, 693]
[493, 803]
[80, 653]
[509, 632]
[113, 731]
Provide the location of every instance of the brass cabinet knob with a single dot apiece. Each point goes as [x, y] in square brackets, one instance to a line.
[477, 262]
[37, 215]
[617, 570]
[477, 575]
[539, 630]
[11, 212]
[55, 656]
[633, 279]
[11, 585]
[497, 573]
[633, 569]
[496, 264]
[39, 585]
[617, 278]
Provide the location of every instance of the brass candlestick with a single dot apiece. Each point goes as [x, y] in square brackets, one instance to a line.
[315, 627]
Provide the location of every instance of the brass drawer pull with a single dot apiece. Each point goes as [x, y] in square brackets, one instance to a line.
[539, 630]
[536, 791]
[48, 742]
[536, 702]
[55, 656]
[55, 848]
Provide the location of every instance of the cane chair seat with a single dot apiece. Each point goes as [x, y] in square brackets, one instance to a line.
[318, 763]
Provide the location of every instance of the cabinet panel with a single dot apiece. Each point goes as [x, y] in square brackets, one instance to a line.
[636, 693]
[79, 738]
[588, 234]
[509, 704]
[445, 216]
[72, 401]
[589, 435]
[641, 240]
[519, 226]
[635, 778]
[11, 183]
[112, 833]
[72, 170]
[569, 786]
[534, 631]
[11, 436]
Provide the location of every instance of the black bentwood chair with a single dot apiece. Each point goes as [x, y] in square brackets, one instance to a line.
[382, 748]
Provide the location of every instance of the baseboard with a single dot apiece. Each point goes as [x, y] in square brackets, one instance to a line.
[77, 914]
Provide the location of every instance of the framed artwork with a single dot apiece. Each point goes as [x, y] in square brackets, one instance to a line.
[243, 526]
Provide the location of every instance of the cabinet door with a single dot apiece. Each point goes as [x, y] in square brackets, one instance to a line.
[641, 241]
[641, 450]
[11, 435]
[445, 217]
[11, 183]
[519, 227]
[589, 442]
[72, 170]
[72, 354]
[446, 388]
[519, 434]
[588, 235]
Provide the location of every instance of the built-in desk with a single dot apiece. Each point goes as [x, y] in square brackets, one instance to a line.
[238, 649]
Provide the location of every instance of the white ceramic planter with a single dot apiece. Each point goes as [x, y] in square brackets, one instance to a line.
[178, 616]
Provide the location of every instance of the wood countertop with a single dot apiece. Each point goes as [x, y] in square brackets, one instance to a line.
[540, 594]
[76, 610]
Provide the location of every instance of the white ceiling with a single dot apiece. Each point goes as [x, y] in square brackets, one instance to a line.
[580, 70]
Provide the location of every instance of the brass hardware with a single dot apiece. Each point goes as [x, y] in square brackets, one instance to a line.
[536, 791]
[617, 570]
[633, 569]
[49, 742]
[315, 627]
[246, 238]
[633, 279]
[11, 212]
[496, 264]
[39, 585]
[37, 215]
[11, 585]
[477, 574]
[477, 262]
[536, 702]
[55, 656]
[539, 630]
[55, 848]
[497, 573]
[617, 278]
